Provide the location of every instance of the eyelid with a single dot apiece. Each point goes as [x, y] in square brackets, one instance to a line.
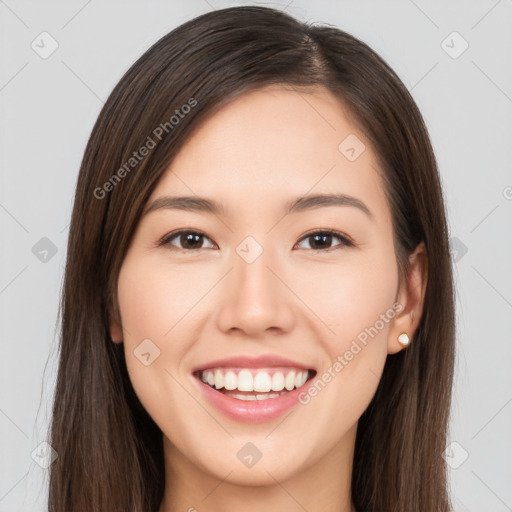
[346, 240]
[165, 240]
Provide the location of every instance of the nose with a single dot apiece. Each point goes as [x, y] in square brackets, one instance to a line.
[256, 299]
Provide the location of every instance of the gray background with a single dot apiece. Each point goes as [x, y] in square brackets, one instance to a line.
[48, 106]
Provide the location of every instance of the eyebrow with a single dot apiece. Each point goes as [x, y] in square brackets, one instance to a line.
[309, 202]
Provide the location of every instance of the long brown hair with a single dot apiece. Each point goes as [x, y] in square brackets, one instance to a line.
[110, 451]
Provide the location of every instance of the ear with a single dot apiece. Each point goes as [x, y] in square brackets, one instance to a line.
[410, 296]
[116, 331]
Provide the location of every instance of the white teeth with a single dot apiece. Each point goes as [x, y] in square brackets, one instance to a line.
[219, 379]
[289, 382]
[230, 381]
[300, 379]
[242, 397]
[277, 381]
[262, 382]
[245, 381]
[264, 396]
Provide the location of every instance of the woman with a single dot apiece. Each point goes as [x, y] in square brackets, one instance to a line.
[258, 309]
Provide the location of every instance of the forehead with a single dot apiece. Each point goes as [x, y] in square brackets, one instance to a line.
[274, 143]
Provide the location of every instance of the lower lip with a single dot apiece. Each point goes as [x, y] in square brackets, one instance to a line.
[252, 411]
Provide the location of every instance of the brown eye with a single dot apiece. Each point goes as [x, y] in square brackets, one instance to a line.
[322, 240]
[188, 240]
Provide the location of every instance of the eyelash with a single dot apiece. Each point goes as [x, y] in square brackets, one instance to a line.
[345, 241]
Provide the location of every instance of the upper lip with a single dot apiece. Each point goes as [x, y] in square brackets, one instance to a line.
[265, 361]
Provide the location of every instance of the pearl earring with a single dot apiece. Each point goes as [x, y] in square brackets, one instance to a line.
[403, 339]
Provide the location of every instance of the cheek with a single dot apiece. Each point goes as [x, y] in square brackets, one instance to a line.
[351, 296]
[149, 309]
[154, 298]
[355, 301]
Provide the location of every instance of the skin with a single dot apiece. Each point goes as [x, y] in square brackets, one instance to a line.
[255, 154]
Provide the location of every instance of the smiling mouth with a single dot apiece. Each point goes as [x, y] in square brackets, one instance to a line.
[255, 383]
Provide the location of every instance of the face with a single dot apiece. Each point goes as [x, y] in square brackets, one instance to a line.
[261, 294]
